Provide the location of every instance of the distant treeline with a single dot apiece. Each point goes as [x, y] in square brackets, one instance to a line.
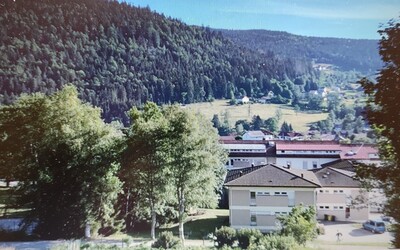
[121, 56]
[346, 54]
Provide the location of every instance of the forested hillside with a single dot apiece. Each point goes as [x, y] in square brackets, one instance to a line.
[347, 54]
[120, 56]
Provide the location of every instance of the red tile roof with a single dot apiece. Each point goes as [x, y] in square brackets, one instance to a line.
[359, 152]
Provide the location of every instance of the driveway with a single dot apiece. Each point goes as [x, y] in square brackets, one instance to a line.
[353, 237]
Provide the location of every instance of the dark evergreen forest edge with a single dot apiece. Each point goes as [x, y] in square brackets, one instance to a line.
[345, 54]
[119, 56]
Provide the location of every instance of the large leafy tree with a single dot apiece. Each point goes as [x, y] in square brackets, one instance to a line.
[384, 114]
[300, 223]
[65, 159]
[145, 162]
[196, 162]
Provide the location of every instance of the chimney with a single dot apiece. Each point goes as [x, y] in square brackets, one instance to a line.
[302, 175]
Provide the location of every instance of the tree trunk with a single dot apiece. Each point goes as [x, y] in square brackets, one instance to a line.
[153, 224]
[181, 215]
[87, 230]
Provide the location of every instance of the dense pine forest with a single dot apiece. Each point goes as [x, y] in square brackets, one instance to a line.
[346, 54]
[121, 56]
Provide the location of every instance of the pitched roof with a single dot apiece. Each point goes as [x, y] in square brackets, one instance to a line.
[359, 152]
[273, 176]
[340, 164]
[332, 177]
[254, 133]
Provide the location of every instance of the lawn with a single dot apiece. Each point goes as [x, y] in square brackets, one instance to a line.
[300, 120]
[195, 227]
[205, 222]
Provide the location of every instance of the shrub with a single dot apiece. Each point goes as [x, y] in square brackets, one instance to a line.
[225, 236]
[247, 237]
[271, 242]
[166, 240]
[20, 235]
[320, 229]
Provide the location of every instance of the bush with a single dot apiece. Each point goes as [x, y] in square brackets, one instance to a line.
[166, 241]
[247, 237]
[225, 236]
[20, 235]
[320, 229]
[272, 242]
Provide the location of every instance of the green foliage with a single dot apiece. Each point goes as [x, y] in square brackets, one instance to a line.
[272, 242]
[383, 112]
[225, 236]
[121, 56]
[196, 166]
[144, 164]
[300, 224]
[166, 240]
[347, 54]
[248, 237]
[65, 159]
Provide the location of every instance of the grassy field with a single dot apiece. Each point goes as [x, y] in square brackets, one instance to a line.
[300, 121]
[196, 226]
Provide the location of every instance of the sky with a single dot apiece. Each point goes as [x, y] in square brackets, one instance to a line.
[358, 19]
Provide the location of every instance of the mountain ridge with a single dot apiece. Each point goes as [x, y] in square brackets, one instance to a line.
[348, 54]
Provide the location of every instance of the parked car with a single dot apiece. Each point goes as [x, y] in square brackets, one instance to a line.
[387, 219]
[374, 226]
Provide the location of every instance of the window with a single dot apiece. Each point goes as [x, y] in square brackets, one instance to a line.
[282, 151]
[314, 164]
[253, 220]
[335, 191]
[335, 207]
[321, 207]
[326, 207]
[321, 191]
[340, 207]
[284, 193]
[340, 191]
[252, 195]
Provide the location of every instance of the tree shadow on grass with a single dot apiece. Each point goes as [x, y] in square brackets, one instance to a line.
[199, 228]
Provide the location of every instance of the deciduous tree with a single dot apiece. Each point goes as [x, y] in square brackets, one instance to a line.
[384, 114]
[196, 167]
[65, 159]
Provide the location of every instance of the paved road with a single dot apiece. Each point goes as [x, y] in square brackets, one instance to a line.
[352, 233]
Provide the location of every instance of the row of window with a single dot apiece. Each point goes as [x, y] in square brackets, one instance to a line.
[253, 194]
[334, 207]
[334, 191]
[247, 150]
[312, 151]
[253, 217]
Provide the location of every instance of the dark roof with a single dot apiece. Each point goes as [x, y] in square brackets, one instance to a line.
[272, 176]
[236, 173]
[332, 177]
[340, 164]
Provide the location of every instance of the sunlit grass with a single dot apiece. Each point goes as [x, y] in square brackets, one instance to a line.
[300, 120]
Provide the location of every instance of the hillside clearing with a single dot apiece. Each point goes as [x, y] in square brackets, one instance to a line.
[300, 121]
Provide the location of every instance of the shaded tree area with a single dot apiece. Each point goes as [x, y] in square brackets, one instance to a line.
[173, 162]
[384, 113]
[121, 56]
[65, 159]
